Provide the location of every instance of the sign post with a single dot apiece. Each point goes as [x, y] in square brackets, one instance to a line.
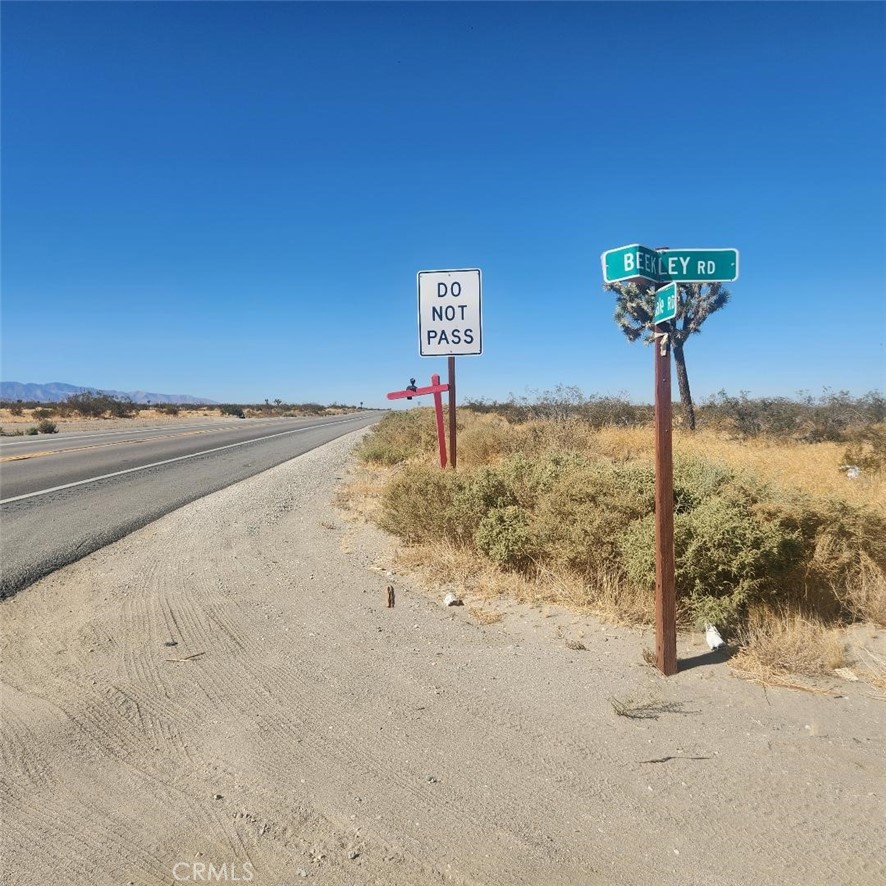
[665, 592]
[450, 324]
[640, 264]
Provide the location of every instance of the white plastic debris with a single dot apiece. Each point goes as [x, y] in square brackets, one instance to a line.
[712, 635]
[853, 471]
[846, 674]
[451, 600]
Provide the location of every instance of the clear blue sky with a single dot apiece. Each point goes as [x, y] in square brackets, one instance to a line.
[233, 199]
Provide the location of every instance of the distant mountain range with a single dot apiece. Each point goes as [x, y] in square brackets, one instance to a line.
[56, 391]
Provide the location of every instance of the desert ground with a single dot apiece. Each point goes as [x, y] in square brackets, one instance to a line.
[228, 689]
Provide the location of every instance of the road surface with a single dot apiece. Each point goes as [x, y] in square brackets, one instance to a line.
[64, 496]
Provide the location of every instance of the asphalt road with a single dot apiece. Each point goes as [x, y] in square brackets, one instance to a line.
[63, 497]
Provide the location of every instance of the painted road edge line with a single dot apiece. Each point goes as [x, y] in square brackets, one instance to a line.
[169, 461]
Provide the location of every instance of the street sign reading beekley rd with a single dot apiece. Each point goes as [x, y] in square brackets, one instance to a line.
[450, 316]
[637, 262]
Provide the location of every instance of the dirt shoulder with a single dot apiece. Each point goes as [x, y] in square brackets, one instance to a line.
[300, 730]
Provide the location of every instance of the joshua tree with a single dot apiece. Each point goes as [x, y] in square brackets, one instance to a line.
[635, 310]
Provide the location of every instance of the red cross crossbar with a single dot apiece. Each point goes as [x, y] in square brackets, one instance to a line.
[435, 388]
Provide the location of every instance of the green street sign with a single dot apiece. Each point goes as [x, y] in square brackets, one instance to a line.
[666, 302]
[698, 265]
[637, 262]
[630, 263]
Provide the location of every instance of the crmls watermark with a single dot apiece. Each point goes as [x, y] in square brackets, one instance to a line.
[201, 872]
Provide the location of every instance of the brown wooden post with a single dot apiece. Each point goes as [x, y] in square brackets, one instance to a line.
[665, 596]
[452, 445]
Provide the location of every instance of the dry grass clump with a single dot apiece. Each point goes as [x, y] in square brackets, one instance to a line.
[360, 497]
[808, 467]
[866, 592]
[446, 565]
[485, 616]
[778, 645]
[874, 668]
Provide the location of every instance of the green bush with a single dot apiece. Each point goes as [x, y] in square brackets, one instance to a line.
[232, 409]
[97, 405]
[504, 536]
[42, 413]
[582, 517]
[32, 432]
[739, 542]
[417, 505]
[47, 427]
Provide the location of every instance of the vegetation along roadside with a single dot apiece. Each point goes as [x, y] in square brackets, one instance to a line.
[780, 513]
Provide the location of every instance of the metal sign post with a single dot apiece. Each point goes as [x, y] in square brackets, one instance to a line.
[453, 447]
[450, 324]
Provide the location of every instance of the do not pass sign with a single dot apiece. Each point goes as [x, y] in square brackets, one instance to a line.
[450, 318]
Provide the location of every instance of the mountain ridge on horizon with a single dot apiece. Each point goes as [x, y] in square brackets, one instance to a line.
[57, 392]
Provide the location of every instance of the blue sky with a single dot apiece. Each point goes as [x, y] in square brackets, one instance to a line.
[233, 199]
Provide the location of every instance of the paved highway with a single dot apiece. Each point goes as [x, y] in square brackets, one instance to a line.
[63, 497]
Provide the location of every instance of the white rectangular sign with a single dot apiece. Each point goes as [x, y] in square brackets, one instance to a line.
[450, 318]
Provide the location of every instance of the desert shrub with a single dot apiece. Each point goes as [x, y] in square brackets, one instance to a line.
[42, 413]
[504, 536]
[47, 427]
[32, 432]
[92, 405]
[566, 403]
[725, 557]
[486, 440]
[417, 505]
[16, 433]
[400, 436]
[827, 417]
[583, 514]
[232, 409]
[310, 408]
[168, 409]
[587, 512]
[479, 493]
[865, 592]
[867, 449]
[16, 409]
[377, 450]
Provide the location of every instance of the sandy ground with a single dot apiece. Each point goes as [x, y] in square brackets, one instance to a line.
[145, 418]
[301, 731]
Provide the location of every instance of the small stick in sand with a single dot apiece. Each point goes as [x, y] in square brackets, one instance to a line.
[187, 657]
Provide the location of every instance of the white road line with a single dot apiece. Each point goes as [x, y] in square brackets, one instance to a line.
[169, 461]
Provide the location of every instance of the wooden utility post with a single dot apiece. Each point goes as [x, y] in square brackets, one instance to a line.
[452, 431]
[665, 596]
[642, 265]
